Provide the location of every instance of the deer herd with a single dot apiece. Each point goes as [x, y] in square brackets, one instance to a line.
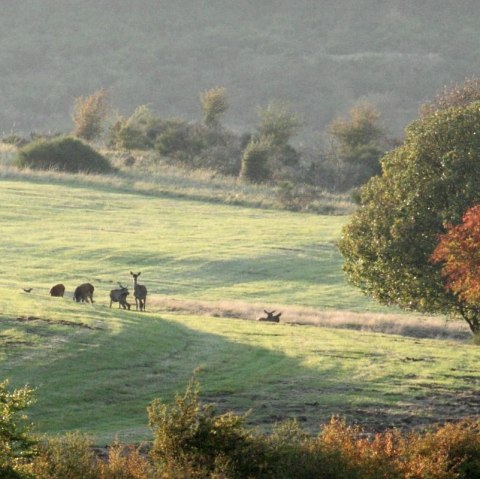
[84, 293]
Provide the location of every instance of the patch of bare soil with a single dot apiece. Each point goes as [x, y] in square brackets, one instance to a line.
[415, 326]
[436, 407]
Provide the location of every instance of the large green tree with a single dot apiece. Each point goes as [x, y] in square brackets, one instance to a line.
[426, 183]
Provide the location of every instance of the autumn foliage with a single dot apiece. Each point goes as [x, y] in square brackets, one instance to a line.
[459, 251]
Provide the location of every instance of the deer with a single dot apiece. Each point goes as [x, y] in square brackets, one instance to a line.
[83, 293]
[274, 318]
[120, 296]
[58, 290]
[139, 292]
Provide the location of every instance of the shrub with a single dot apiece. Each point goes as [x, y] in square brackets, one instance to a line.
[88, 115]
[190, 436]
[137, 132]
[67, 457]
[181, 140]
[255, 161]
[63, 154]
[16, 443]
[214, 103]
[126, 463]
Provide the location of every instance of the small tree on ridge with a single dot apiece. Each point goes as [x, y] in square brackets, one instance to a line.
[89, 114]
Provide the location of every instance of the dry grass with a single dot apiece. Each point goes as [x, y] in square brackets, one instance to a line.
[412, 325]
[151, 176]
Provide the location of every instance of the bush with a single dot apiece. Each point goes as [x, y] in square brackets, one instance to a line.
[67, 457]
[181, 140]
[63, 154]
[191, 437]
[89, 114]
[16, 443]
[137, 132]
[255, 161]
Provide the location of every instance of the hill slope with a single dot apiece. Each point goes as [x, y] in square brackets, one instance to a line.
[97, 368]
[319, 56]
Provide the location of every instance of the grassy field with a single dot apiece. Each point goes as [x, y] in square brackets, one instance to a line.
[96, 368]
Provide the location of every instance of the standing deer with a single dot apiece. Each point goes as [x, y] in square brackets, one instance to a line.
[140, 292]
[120, 296]
[274, 318]
[84, 292]
[58, 290]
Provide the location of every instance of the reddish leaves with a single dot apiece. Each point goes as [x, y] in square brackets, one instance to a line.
[459, 251]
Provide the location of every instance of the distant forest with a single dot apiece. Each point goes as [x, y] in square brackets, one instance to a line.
[319, 56]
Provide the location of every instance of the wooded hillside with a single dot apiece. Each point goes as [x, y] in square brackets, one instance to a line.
[320, 56]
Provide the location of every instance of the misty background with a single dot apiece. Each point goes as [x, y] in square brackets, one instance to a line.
[319, 56]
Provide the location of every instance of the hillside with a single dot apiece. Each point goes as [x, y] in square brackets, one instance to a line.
[96, 369]
[321, 57]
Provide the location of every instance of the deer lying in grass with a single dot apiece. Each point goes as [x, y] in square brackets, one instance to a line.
[83, 293]
[140, 292]
[274, 318]
[58, 290]
[120, 296]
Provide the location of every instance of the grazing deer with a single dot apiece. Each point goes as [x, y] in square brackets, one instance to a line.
[274, 318]
[120, 296]
[140, 292]
[83, 293]
[58, 290]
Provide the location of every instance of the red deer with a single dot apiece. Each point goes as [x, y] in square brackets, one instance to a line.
[120, 296]
[140, 292]
[274, 318]
[83, 293]
[58, 290]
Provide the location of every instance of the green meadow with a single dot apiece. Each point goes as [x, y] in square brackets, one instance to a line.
[97, 368]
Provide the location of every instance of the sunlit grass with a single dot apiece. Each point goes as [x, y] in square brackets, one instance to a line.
[151, 176]
[97, 368]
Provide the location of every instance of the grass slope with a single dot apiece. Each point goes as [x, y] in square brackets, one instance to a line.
[192, 249]
[97, 368]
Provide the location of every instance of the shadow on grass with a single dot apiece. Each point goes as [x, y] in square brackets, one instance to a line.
[100, 381]
[311, 277]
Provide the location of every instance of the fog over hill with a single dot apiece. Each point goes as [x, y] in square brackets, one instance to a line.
[321, 56]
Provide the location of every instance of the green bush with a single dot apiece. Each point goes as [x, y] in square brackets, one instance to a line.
[62, 154]
[181, 140]
[255, 166]
[137, 132]
[190, 436]
[16, 443]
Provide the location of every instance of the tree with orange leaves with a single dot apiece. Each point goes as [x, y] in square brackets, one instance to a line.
[459, 251]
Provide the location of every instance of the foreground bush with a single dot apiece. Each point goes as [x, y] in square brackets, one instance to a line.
[16, 444]
[192, 441]
[191, 437]
[63, 154]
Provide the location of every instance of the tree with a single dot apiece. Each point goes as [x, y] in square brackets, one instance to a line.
[15, 440]
[277, 123]
[89, 114]
[429, 181]
[458, 251]
[358, 143]
[214, 102]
